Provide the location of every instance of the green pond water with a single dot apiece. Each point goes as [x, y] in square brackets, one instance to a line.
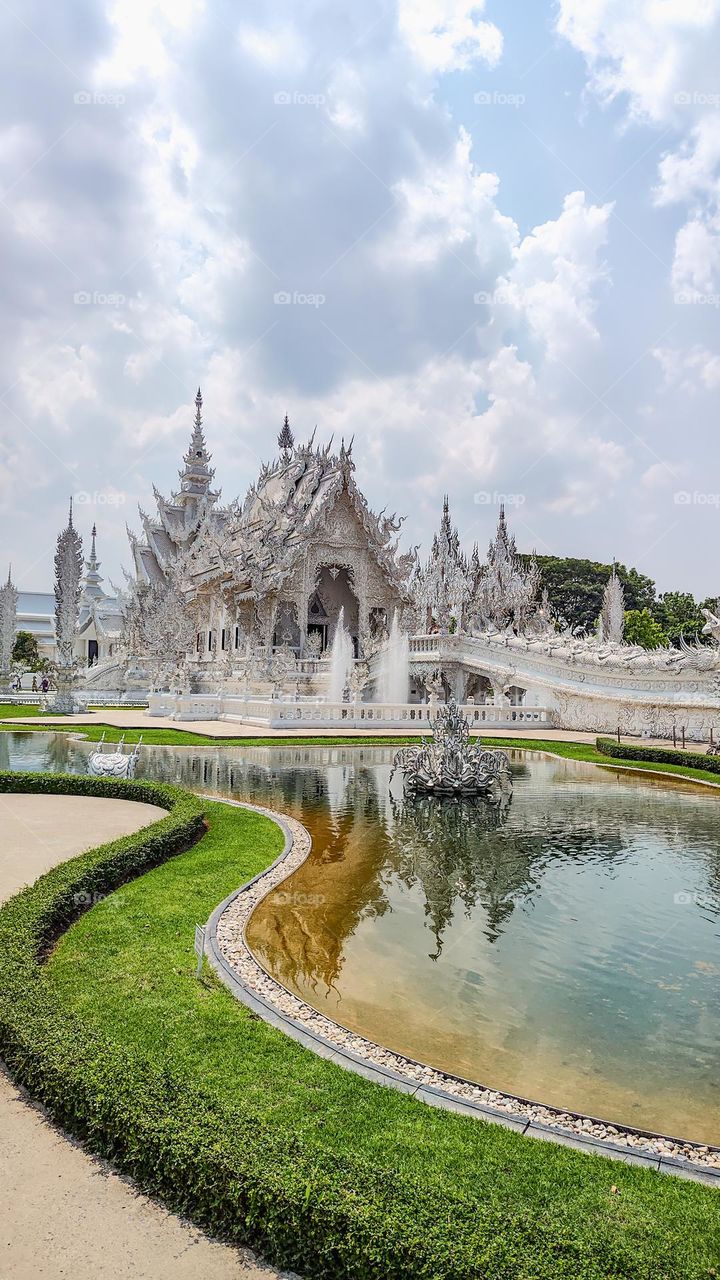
[565, 948]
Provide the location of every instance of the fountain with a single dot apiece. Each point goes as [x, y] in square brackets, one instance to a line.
[394, 672]
[450, 764]
[341, 659]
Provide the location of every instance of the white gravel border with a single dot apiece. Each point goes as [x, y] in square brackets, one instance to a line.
[238, 968]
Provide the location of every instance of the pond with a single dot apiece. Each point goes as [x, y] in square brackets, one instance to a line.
[564, 947]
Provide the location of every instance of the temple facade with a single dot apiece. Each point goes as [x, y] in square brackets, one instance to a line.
[277, 570]
[232, 609]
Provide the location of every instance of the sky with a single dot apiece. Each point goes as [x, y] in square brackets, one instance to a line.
[482, 239]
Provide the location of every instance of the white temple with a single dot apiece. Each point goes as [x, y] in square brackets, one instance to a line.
[231, 611]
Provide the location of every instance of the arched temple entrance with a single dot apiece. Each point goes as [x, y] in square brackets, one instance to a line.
[333, 591]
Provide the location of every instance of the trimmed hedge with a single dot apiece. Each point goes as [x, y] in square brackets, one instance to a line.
[659, 755]
[252, 1177]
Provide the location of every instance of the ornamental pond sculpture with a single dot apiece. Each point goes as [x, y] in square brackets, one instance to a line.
[114, 764]
[450, 764]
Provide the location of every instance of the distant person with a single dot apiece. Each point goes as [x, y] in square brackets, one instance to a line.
[34, 685]
[45, 686]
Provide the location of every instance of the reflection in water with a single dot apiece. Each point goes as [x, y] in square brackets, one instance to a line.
[563, 948]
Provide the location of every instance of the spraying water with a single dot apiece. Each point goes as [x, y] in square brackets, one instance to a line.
[394, 666]
[341, 656]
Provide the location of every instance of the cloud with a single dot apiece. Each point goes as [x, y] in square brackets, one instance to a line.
[298, 212]
[661, 60]
[448, 35]
[556, 271]
[690, 370]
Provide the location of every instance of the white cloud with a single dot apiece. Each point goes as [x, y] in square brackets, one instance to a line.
[448, 35]
[690, 370]
[661, 56]
[451, 204]
[555, 274]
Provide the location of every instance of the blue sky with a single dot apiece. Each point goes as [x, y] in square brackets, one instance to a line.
[497, 226]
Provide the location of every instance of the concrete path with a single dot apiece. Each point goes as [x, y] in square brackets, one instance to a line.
[219, 729]
[63, 1213]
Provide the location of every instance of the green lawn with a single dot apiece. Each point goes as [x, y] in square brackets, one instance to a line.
[9, 710]
[485, 1202]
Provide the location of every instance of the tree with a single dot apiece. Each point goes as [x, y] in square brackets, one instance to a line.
[25, 651]
[679, 614]
[575, 588]
[641, 628]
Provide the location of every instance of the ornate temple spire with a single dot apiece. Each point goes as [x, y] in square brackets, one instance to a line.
[286, 440]
[612, 614]
[197, 475]
[68, 571]
[92, 581]
[8, 628]
[445, 523]
[443, 586]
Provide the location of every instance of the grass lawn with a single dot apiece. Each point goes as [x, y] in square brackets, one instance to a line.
[511, 1208]
[9, 710]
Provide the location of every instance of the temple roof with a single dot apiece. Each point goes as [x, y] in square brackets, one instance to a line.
[290, 505]
[259, 544]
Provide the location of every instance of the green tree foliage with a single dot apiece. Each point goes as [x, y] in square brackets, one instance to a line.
[575, 588]
[641, 628]
[25, 651]
[679, 614]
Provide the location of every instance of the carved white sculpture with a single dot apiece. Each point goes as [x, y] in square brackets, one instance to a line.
[8, 629]
[68, 574]
[612, 614]
[450, 764]
[114, 764]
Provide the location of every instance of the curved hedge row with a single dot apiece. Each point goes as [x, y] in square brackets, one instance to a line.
[659, 755]
[251, 1177]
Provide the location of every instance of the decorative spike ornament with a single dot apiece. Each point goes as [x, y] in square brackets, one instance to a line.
[286, 440]
[68, 573]
[8, 629]
[612, 614]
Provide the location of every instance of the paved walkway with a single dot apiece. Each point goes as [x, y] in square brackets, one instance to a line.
[64, 1213]
[139, 719]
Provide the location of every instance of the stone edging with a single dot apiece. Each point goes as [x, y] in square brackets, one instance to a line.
[237, 967]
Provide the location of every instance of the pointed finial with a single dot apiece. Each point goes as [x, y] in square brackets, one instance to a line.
[70, 523]
[286, 439]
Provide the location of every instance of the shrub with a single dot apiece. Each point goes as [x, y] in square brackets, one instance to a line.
[659, 755]
[252, 1174]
